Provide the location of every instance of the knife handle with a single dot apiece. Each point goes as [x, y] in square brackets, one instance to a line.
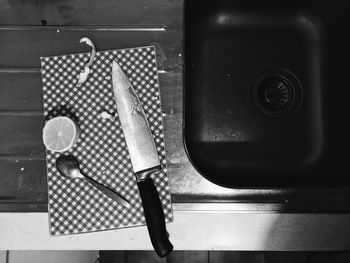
[153, 211]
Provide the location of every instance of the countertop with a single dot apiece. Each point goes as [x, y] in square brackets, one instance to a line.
[191, 231]
[206, 216]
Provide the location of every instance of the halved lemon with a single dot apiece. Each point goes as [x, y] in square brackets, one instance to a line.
[60, 134]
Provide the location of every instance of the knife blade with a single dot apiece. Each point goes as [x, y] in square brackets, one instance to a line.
[138, 137]
[143, 155]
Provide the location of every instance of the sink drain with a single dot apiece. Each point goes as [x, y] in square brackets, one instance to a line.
[277, 93]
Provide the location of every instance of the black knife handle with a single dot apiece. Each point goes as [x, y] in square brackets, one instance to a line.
[153, 211]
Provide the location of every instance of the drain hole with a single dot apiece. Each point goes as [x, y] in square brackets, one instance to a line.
[277, 93]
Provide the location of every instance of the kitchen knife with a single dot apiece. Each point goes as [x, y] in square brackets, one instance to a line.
[143, 155]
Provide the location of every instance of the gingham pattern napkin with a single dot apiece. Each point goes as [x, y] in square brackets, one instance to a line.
[74, 205]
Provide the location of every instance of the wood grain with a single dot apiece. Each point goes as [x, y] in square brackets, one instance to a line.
[138, 256]
[66, 12]
[229, 256]
[21, 134]
[20, 91]
[21, 115]
[111, 256]
[287, 257]
[23, 180]
[23, 167]
[30, 45]
[54, 28]
[188, 257]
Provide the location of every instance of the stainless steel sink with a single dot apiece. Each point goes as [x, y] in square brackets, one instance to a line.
[265, 92]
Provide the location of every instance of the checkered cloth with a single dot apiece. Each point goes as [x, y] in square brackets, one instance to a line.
[75, 206]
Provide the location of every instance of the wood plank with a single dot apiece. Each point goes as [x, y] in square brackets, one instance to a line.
[30, 45]
[327, 257]
[229, 256]
[111, 256]
[139, 256]
[20, 91]
[285, 257]
[66, 12]
[21, 134]
[23, 181]
[188, 257]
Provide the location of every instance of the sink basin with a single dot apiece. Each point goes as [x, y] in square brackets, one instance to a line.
[265, 92]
